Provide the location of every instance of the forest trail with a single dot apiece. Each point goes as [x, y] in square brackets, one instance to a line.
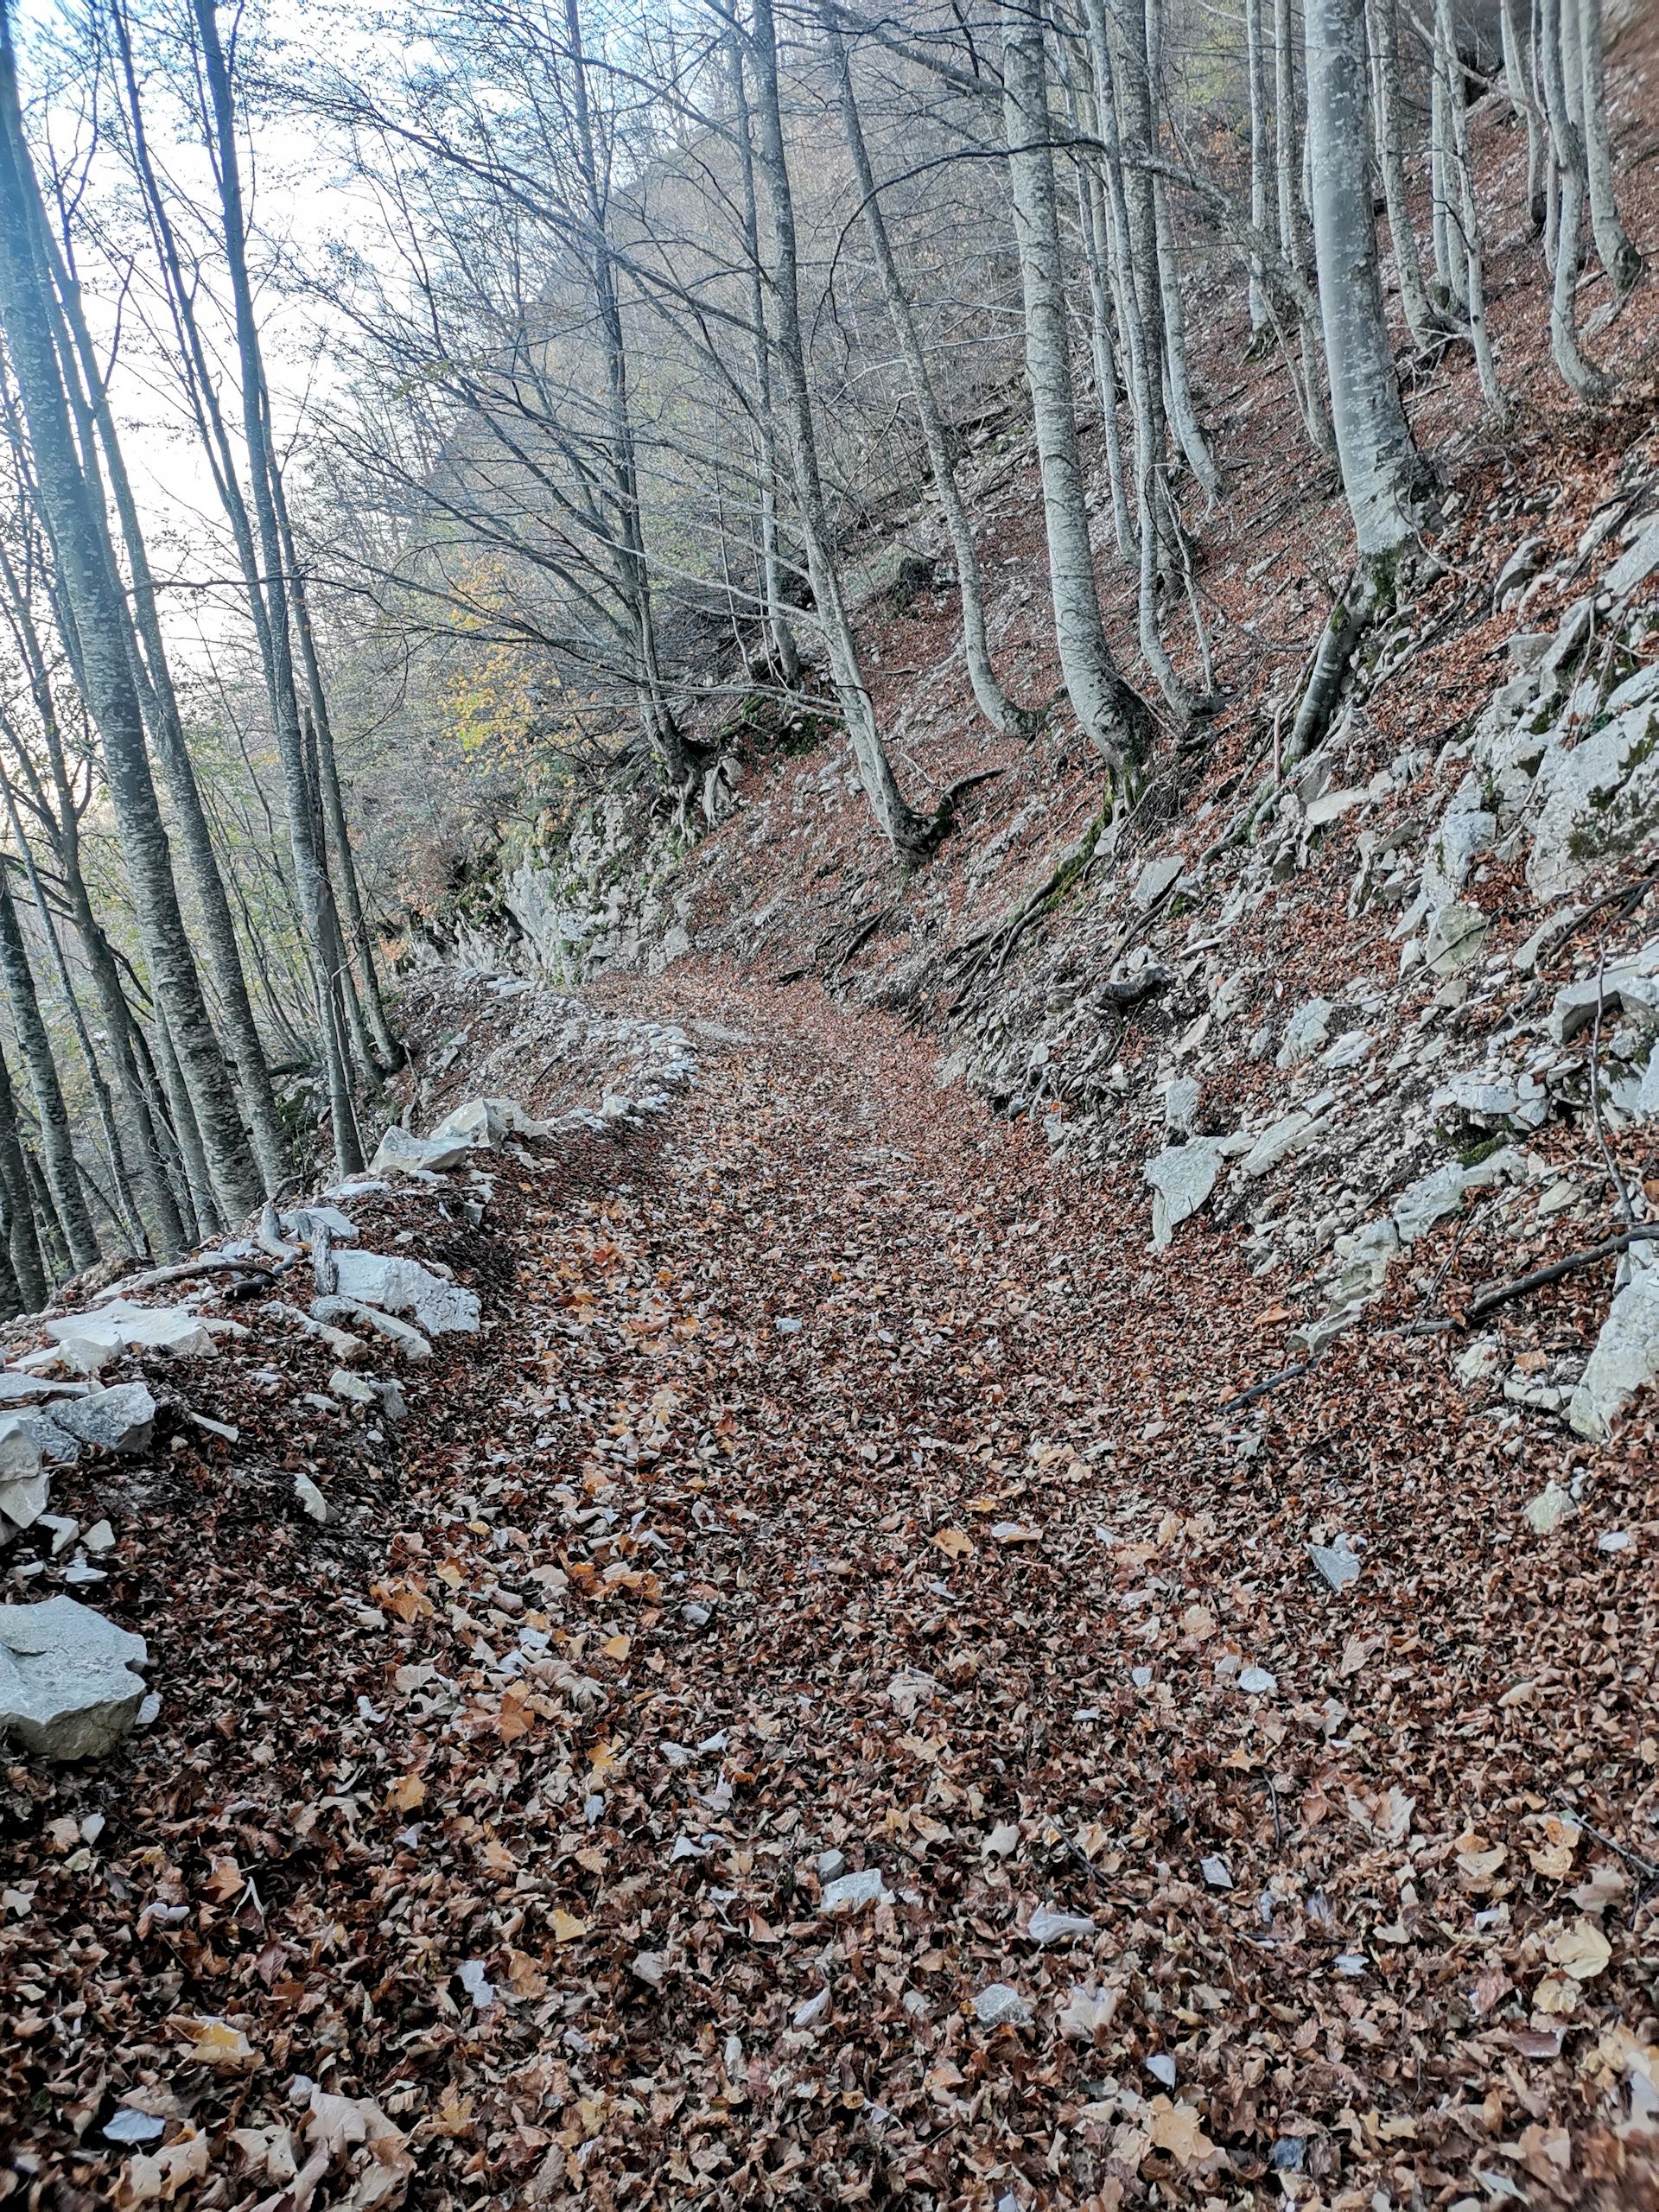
[842, 1496]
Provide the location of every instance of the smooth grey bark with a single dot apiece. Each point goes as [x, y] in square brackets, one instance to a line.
[661, 728]
[1102, 319]
[989, 695]
[1448, 263]
[337, 831]
[51, 1111]
[89, 399]
[1150, 514]
[1518, 79]
[1109, 712]
[1468, 216]
[1183, 414]
[313, 888]
[784, 651]
[130, 1217]
[1382, 28]
[104, 669]
[1619, 256]
[1261, 198]
[906, 830]
[1567, 166]
[187, 1132]
[60, 821]
[1383, 476]
[1293, 225]
[22, 1242]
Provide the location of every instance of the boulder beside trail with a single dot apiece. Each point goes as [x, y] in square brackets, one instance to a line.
[67, 1687]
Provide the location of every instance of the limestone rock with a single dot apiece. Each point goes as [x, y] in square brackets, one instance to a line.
[67, 1688]
[399, 1286]
[1597, 799]
[20, 1454]
[121, 1420]
[1182, 1176]
[89, 1341]
[355, 1389]
[1635, 565]
[22, 1501]
[484, 1122]
[401, 1153]
[1154, 879]
[1306, 1033]
[1631, 988]
[326, 1312]
[1435, 1196]
[1456, 935]
[1626, 1353]
[1293, 1134]
[1518, 571]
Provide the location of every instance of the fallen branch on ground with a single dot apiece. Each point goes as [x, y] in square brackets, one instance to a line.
[1491, 1295]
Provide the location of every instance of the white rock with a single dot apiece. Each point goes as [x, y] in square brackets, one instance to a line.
[1597, 800]
[409, 1340]
[851, 1891]
[1626, 1353]
[355, 1389]
[1441, 1192]
[1455, 937]
[89, 1341]
[482, 1123]
[1154, 879]
[1631, 988]
[1182, 1176]
[1296, 1131]
[121, 1420]
[1181, 1105]
[1047, 1926]
[100, 1538]
[20, 1454]
[398, 1286]
[1549, 1508]
[310, 1498]
[15, 1387]
[66, 1691]
[1256, 1682]
[999, 2007]
[1636, 564]
[1306, 1033]
[401, 1153]
[1479, 1363]
[22, 1501]
[1336, 1562]
[1332, 806]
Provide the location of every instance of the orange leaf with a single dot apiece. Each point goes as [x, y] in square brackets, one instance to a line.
[954, 1543]
[406, 1794]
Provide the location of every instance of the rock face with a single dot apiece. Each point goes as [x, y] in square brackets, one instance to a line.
[67, 1688]
[405, 1287]
[1601, 798]
[1626, 1354]
[121, 1420]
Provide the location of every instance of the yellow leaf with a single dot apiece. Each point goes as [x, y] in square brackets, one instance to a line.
[218, 2044]
[601, 1759]
[1177, 2129]
[617, 1647]
[954, 1543]
[514, 1719]
[567, 1928]
[406, 1794]
[1581, 1950]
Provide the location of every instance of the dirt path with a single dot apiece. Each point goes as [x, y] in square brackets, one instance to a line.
[845, 1497]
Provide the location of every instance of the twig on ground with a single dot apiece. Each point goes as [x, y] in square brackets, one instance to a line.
[1491, 1295]
[1261, 1389]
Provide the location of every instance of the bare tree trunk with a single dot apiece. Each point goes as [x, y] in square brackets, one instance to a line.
[1261, 199]
[130, 1219]
[988, 694]
[1183, 413]
[57, 1137]
[1567, 163]
[23, 1243]
[1091, 220]
[905, 830]
[106, 671]
[1109, 712]
[1382, 473]
[1293, 226]
[89, 400]
[1618, 256]
[1382, 24]
[311, 881]
[1448, 271]
[384, 1050]
[784, 651]
[1468, 216]
[209, 1220]
[1150, 515]
[1518, 78]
